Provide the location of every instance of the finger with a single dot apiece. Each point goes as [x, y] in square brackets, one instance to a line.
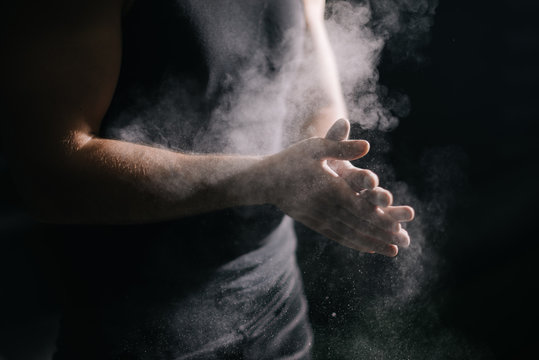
[386, 250]
[339, 130]
[359, 179]
[356, 212]
[400, 213]
[340, 166]
[365, 210]
[323, 149]
[346, 242]
[400, 238]
[369, 228]
[347, 236]
[378, 196]
[405, 242]
[361, 242]
[324, 228]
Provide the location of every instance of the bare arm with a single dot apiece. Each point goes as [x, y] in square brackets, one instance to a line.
[60, 66]
[324, 122]
[326, 73]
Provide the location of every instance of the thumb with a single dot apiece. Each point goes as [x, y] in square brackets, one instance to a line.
[339, 130]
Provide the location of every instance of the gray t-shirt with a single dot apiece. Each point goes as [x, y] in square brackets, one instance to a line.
[196, 76]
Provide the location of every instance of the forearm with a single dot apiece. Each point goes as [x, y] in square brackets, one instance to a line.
[109, 181]
[332, 106]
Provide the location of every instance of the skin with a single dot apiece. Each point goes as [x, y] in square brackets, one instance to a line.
[60, 65]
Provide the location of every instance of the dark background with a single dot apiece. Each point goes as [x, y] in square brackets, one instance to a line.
[466, 151]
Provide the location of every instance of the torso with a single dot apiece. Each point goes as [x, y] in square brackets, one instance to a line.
[213, 73]
[192, 81]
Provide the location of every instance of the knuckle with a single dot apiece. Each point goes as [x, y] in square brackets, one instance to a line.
[368, 178]
[382, 196]
[366, 173]
[364, 177]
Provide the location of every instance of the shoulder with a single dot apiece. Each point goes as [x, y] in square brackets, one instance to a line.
[31, 10]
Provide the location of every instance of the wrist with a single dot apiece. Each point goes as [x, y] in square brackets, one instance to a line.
[262, 181]
[249, 183]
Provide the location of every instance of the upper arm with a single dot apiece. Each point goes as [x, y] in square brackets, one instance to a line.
[314, 12]
[324, 86]
[60, 65]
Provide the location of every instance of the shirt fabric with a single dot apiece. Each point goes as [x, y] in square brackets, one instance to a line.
[197, 76]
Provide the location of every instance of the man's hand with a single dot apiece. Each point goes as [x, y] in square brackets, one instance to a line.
[316, 185]
[365, 182]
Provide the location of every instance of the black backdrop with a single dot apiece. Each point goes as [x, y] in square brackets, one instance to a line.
[466, 151]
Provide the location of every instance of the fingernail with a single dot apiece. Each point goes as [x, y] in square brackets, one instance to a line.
[402, 239]
[366, 144]
[393, 252]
